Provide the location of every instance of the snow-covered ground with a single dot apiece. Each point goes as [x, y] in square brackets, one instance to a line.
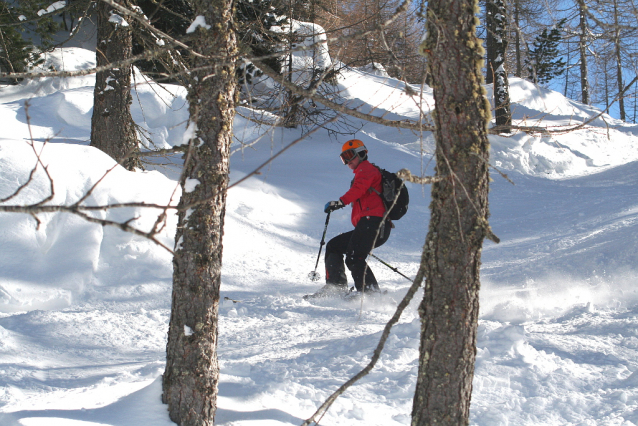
[84, 309]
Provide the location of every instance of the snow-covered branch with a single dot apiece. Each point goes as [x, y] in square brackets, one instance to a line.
[311, 94]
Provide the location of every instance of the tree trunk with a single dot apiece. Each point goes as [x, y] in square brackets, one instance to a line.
[496, 72]
[112, 127]
[192, 370]
[459, 210]
[582, 48]
[517, 39]
[618, 54]
[490, 41]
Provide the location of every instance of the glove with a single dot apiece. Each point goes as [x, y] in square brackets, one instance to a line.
[332, 206]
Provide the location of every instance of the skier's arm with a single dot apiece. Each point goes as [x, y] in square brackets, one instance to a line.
[362, 183]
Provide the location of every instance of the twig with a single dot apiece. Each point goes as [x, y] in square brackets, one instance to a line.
[405, 174]
[296, 141]
[403, 124]
[318, 415]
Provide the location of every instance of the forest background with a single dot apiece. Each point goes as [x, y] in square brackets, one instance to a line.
[223, 52]
[594, 56]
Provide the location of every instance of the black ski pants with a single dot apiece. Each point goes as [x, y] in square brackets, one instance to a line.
[355, 245]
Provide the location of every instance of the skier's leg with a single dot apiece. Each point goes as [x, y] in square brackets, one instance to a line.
[360, 245]
[335, 250]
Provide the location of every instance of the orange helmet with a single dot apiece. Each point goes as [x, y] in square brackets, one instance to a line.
[351, 149]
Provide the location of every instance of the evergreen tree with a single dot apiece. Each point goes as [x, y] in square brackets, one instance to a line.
[542, 61]
[14, 50]
[27, 27]
[255, 20]
[172, 17]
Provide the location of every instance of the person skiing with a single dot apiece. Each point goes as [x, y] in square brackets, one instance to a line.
[368, 210]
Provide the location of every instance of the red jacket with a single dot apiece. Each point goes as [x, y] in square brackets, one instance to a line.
[365, 202]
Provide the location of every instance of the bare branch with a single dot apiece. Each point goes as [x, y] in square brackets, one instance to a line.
[140, 18]
[161, 152]
[81, 211]
[24, 185]
[405, 174]
[79, 73]
[568, 129]
[503, 175]
[125, 227]
[403, 124]
[296, 141]
[92, 188]
[31, 143]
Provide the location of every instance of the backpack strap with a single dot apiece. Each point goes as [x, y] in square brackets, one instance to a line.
[385, 205]
[374, 190]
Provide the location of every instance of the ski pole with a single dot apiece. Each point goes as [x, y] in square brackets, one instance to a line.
[314, 276]
[392, 267]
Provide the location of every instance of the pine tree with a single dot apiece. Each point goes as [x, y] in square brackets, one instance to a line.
[172, 17]
[255, 20]
[542, 61]
[14, 50]
[22, 22]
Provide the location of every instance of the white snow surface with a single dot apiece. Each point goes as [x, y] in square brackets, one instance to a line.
[84, 309]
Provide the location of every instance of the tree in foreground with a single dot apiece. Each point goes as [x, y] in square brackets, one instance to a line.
[459, 210]
[192, 370]
[112, 126]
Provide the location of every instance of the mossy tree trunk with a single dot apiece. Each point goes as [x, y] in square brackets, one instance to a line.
[459, 210]
[192, 370]
[112, 127]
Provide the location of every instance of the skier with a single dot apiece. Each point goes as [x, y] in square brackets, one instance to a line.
[367, 217]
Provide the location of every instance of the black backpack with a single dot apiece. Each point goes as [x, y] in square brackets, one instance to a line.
[393, 188]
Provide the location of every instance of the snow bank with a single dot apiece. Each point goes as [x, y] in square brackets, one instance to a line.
[84, 309]
[55, 259]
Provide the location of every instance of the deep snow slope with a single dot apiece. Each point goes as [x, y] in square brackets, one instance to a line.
[84, 309]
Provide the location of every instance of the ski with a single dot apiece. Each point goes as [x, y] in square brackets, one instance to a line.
[348, 295]
[328, 291]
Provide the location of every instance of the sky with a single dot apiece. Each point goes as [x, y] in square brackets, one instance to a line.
[84, 309]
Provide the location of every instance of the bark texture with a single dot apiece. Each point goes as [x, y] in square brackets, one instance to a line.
[582, 50]
[459, 210]
[497, 40]
[112, 127]
[192, 370]
[619, 62]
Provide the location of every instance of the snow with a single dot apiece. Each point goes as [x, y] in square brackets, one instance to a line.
[117, 20]
[84, 309]
[312, 53]
[200, 21]
[52, 8]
